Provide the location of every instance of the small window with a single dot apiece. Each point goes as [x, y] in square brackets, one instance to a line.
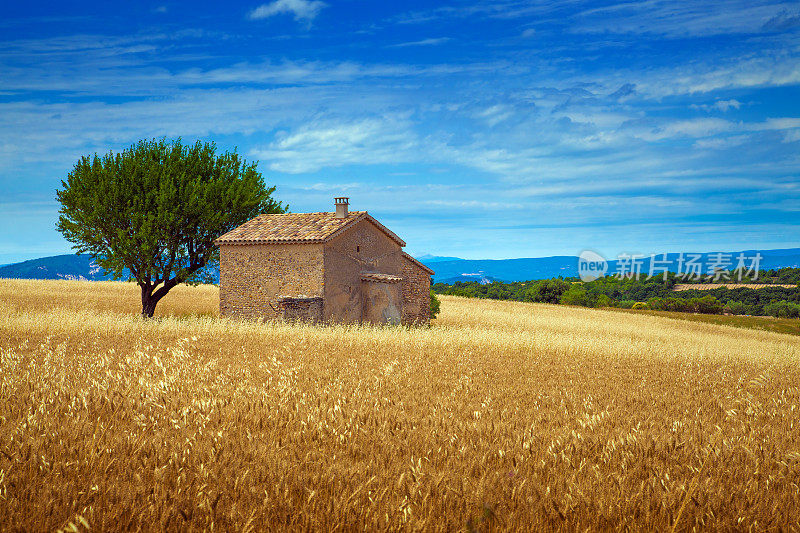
[358, 249]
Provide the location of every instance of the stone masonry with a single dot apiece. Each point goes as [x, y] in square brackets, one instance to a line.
[253, 276]
[300, 308]
[416, 291]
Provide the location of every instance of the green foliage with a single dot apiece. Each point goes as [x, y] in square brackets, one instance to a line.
[787, 275]
[736, 308]
[547, 291]
[783, 309]
[706, 304]
[577, 295]
[624, 293]
[603, 301]
[434, 306]
[155, 209]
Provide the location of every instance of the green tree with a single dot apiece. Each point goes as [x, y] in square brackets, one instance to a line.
[155, 209]
[709, 305]
[577, 295]
[433, 309]
[782, 309]
[548, 291]
[735, 308]
[603, 301]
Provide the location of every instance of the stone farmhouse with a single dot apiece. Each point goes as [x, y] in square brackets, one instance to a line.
[338, 267]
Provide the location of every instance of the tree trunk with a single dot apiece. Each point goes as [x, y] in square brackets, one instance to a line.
[148, 302]
[150, 296]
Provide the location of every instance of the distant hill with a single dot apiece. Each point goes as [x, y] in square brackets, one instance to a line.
[68, 266]
[470, 277]
[504, 269]
[448, 269]
[485, 270]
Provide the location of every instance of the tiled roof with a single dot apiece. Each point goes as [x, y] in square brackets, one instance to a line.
[297, 228]
[385, 278]
[419, 264]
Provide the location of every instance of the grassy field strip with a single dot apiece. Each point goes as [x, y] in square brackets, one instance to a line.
[790, 326]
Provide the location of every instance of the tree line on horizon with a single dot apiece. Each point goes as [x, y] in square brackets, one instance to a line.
[655, 293]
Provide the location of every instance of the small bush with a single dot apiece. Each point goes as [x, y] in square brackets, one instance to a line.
[577, 295]
[639, 305]
[547, 291]
[603, 301]
[735, 308]
[433, 310]
[708, 304]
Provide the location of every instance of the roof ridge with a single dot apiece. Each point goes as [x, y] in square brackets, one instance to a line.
[384, 229]
[300, 214]
[416, 261]
[344, 227]
[290, 228]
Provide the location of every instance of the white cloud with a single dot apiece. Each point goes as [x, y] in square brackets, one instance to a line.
[791, 136]
[600, 118]
[330, 143]
[671, 18]
[676, 18]
[471, 204]
[718, 143]
[423, 42]
[719, 105]
[692, 128]
[306, 10]
[123, 67]
[767, 70]
[495, 114]
[724, 105]
[781, 123]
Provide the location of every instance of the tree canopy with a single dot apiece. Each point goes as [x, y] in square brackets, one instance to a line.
[155, 208]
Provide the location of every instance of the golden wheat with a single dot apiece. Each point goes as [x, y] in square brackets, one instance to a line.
[501, 415]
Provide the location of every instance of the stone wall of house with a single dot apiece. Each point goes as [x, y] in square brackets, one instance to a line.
[362, 248]
[252, 277]
[300, 308]
[416, 293]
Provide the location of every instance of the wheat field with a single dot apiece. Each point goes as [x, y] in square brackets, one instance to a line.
[499, 416]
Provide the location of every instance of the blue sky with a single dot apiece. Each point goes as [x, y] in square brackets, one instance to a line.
[474, 129]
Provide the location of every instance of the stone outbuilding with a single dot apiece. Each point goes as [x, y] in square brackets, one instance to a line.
[338, 267]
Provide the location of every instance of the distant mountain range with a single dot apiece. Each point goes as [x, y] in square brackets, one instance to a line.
[68, 266]
[448, 269]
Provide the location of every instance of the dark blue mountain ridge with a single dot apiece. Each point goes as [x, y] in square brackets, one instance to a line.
[68, 266]
[567, 266]
[447, 269]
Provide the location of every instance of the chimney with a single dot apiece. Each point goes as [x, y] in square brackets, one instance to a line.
[341, 204]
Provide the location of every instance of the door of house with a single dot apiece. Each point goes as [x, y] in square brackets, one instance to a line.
[382, 302]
